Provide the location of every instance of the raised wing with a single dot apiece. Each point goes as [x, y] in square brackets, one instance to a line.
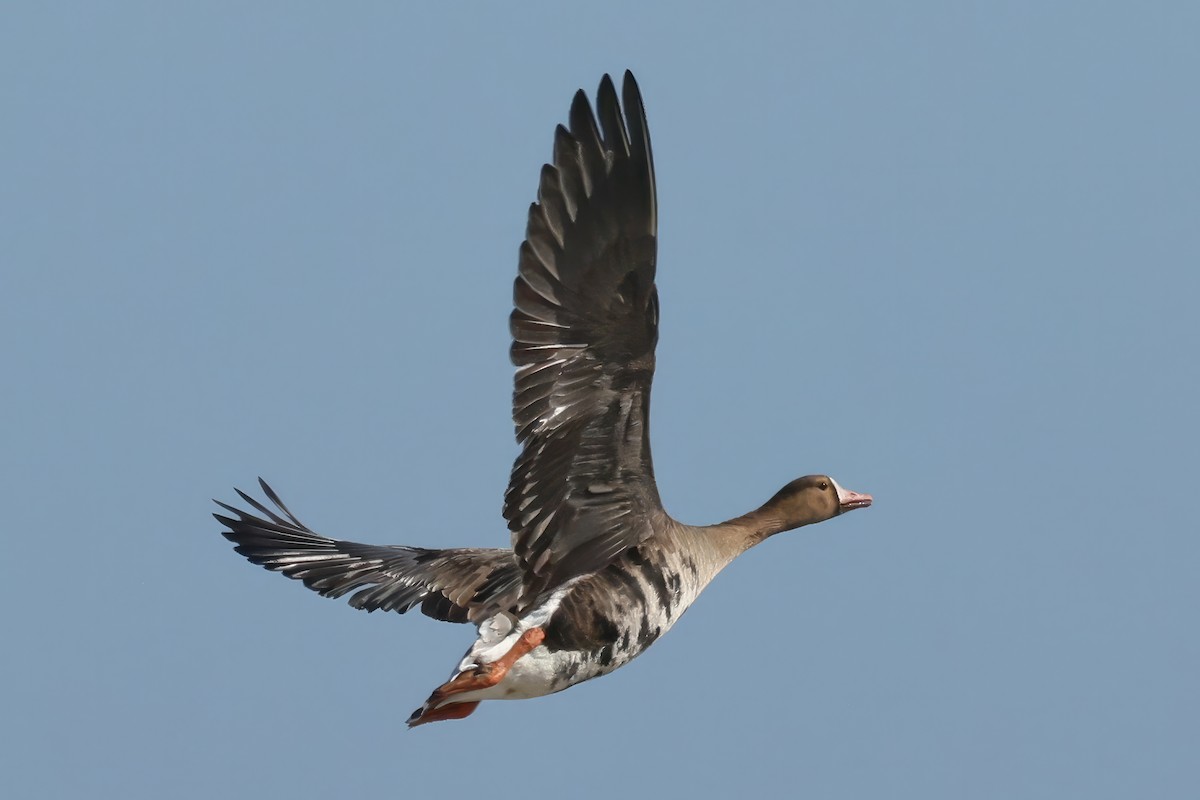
[458, 585]
[584, 330]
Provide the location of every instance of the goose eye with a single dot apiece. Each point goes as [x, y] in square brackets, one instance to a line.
[824, 486]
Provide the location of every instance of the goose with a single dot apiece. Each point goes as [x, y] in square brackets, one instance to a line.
[597, 571]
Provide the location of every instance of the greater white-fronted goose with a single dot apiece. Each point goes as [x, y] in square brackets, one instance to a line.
[597, 570]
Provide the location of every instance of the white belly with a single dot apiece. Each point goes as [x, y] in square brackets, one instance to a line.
[535, 674]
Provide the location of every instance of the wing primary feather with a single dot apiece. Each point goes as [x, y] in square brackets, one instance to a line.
[611, 122]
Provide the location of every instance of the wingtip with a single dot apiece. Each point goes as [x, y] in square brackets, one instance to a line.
[632, 94]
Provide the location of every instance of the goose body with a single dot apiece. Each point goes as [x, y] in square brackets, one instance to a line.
[598, 622]
[597, 570]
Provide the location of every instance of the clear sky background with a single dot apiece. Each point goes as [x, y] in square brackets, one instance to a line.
[945, 252]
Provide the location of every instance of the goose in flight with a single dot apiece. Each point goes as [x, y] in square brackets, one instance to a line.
[597, 571]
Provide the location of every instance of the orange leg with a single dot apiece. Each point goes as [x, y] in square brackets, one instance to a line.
[487, 675]
[483, 677]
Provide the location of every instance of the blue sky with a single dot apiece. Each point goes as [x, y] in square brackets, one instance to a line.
[945, 252]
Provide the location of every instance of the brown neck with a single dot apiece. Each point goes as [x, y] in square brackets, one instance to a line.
[741, 533]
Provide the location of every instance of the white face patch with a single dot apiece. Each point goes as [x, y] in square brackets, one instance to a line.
[841, 493]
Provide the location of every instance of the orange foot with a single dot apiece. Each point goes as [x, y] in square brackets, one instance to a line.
[482, 677]
[448, 711]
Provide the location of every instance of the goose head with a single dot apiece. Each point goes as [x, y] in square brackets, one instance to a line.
[813, 498]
